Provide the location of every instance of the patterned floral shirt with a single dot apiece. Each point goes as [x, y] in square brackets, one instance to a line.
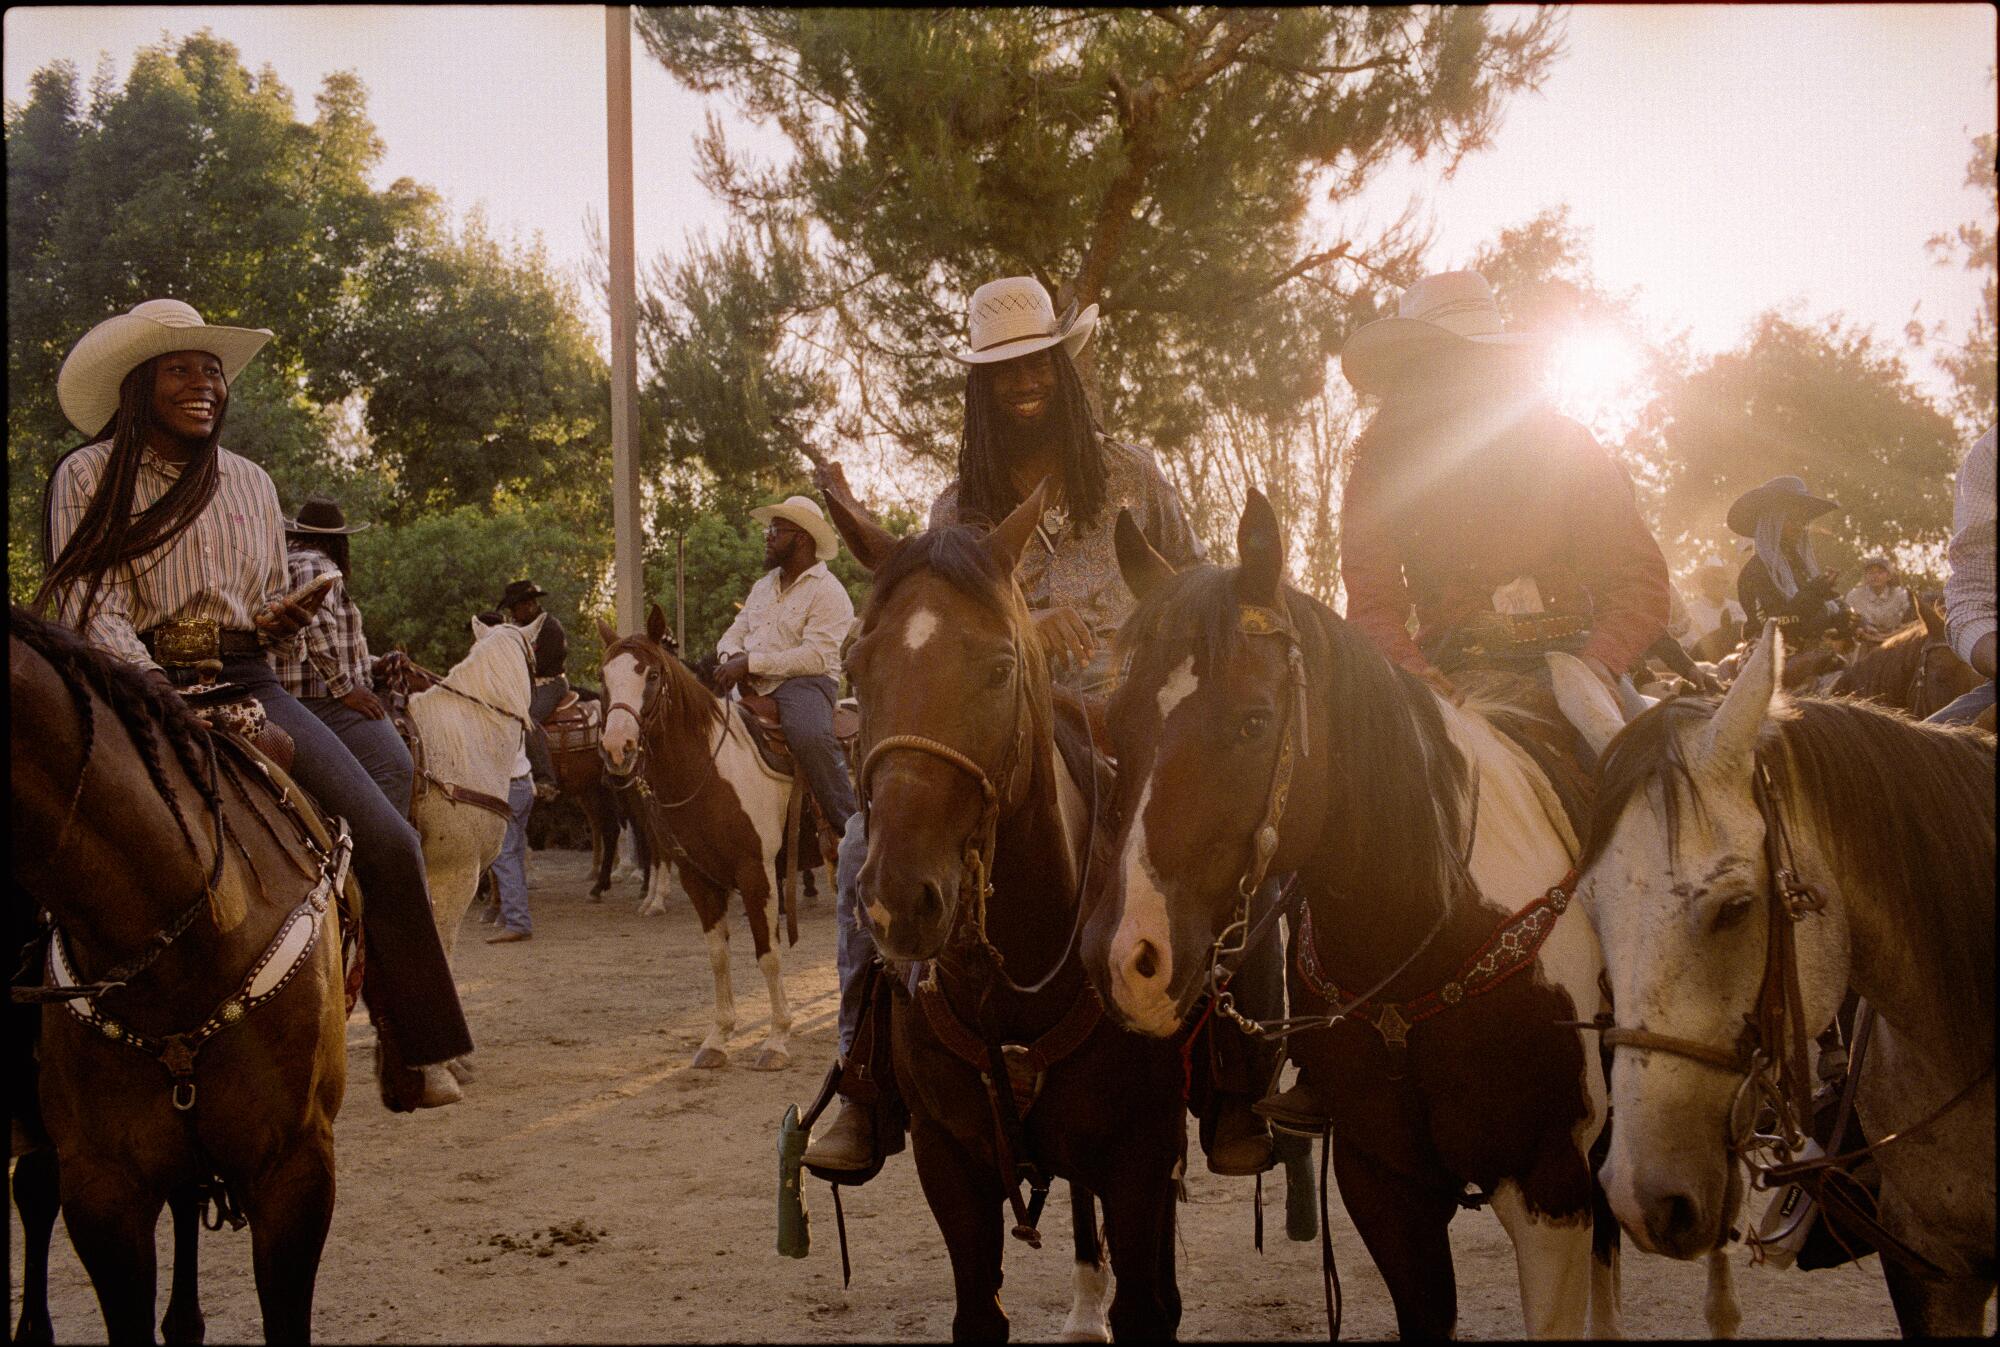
[1077, 567]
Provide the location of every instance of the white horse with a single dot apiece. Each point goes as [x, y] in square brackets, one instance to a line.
[470, 725]
[1890, 823]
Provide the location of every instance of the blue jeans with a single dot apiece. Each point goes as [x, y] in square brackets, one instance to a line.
[1966, 709]
[852, 946]
[510, 867]
[805, 709]
[374, 744]
[408, 983]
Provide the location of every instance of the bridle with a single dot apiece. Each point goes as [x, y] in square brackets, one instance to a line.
[444, 681]
[650, 715]
[1932, 645]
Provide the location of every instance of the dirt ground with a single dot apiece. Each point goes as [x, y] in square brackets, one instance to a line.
[594, 1187]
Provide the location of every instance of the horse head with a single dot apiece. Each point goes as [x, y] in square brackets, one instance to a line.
[952, 682]
[635, 672]
[1210, 726]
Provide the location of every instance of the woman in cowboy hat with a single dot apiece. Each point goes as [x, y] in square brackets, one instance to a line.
[165, 549]
[1471, 494]
[329, 670]
[1783, 582]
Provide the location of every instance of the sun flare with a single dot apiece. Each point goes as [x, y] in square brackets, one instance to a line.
[1597, 376]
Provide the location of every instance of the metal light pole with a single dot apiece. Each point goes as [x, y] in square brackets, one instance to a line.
[628, 579]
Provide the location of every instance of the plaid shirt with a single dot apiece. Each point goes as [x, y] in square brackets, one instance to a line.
[334, 661]
[1968, 594]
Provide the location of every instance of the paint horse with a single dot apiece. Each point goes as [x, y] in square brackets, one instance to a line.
[195, 1016]
[1257, 733]
[1914, 669]
[986, 810]
[715, 807]
[1749, 862]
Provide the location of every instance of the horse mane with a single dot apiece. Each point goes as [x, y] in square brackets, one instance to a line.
[1929, 861]
[461, 737]
[1885, 673]
[1403, 797]
[151, 715]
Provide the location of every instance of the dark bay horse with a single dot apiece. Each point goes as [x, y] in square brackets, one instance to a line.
[1914, 669]
[574, 739]
[1257, 733]
[985, 803]
[196, 910]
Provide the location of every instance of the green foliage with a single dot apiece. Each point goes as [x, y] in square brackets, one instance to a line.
[1974, 364]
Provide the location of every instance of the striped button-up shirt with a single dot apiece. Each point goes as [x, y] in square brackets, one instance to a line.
[332, 660]
[1968, 594]
[226, 565]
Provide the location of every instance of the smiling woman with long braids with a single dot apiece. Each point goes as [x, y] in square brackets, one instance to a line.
[165, 549]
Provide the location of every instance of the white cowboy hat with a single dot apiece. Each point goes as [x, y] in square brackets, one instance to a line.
[804, 512]
[87, 387]
[1012, 317]
[1452, 306]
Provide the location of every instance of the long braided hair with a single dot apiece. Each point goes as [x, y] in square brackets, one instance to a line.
[986, 490]
[109, 535]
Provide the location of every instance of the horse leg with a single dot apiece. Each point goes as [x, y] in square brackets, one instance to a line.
[1090, 1294]
[1406, 1228]
[774, 1055]
[184, 1321]
[711, 905]
[1139, 1227]
[964, 1198]
[290, 1211]
[603, 816]
[1553, 1258]
[35, 1193]
[653, 903]
[111, 1226]
[1931, 1308]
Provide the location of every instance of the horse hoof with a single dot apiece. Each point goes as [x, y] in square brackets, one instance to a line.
[595, 896]
[1077, 1335]
[708, 1059]
[772, 1059]
[461, 1069]
[194, 1330]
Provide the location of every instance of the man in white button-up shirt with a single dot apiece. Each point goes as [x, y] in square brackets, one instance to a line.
[1968, 594]
[786, 644]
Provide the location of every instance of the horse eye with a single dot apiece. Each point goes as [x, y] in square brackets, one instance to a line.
[1253, 726]
[997, 676]
[1730, 913]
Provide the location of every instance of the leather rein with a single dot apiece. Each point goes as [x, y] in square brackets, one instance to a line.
[650, 715]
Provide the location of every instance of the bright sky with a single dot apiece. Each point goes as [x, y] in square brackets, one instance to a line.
[1725, 159]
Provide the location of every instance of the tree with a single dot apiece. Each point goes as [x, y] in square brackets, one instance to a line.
[1974, 364]
[1156, 163]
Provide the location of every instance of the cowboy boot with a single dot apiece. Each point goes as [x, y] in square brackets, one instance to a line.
[1237, 1141]
[848, 1143]
[1298, 1109]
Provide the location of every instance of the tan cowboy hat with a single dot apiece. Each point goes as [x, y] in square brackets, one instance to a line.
[804, 512]
[88, 385]
[1012, 317]
[1450, 307]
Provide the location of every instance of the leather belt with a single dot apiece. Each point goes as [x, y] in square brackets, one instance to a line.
[188, 642]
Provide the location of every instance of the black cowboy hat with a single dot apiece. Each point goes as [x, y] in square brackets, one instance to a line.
[1786, 494]
[519, 591]
[321, 514]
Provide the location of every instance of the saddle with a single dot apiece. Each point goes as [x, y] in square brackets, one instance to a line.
[760, 713]
[576, 725]
[229, 709]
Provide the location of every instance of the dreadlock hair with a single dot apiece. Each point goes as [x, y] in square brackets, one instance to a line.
[109, 534]
[331, 545]
[986, 490]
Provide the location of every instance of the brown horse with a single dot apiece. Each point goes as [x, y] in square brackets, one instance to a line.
[985, 806]
[1914, 669]
[715, 808]
[574, 736]
[1257, 733]
[197, 1029]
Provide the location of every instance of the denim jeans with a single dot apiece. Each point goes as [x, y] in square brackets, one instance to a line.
[852, 946]
[1967, 708]
[510, 867]
[542, 705]
[374, 744]
[805, 709]
[408, 980]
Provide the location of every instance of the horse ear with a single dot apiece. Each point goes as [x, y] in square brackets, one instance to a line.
[867, 540]
[1007, 541]
[1585, 701]
[1260, 553]
[1932, 618]
[656, 622]
[1728, 744]
[1144, 569]
[607, 634]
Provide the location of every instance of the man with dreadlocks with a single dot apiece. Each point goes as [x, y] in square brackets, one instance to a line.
[167, 550]
[1028, 421]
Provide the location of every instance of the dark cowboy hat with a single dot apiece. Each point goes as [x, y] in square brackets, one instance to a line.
[1785, 494]
[518, 591]
[322, 514]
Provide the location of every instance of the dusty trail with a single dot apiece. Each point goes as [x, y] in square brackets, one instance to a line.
[596, 1188]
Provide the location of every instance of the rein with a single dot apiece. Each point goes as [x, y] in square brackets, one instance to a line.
[650, 715]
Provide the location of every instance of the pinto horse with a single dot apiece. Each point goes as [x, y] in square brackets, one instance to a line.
[1257, 733]
[715, 809]
[1749, 862]
[985, 803]
[195, 1023]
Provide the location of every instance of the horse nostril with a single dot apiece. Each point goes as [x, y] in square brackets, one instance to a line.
[930, 902]
[1674, 1221]
[1146, 960]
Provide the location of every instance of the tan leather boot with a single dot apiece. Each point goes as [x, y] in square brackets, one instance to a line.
[1240, 1144]
[848, 1142]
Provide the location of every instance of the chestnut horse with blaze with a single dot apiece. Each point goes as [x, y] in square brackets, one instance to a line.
[985, 801]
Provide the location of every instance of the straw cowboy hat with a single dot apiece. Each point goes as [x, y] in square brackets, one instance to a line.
[1786, 494]
[804, 512]
[1012, 317]
[1455, 307]
[88, 385]
[322, 514]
